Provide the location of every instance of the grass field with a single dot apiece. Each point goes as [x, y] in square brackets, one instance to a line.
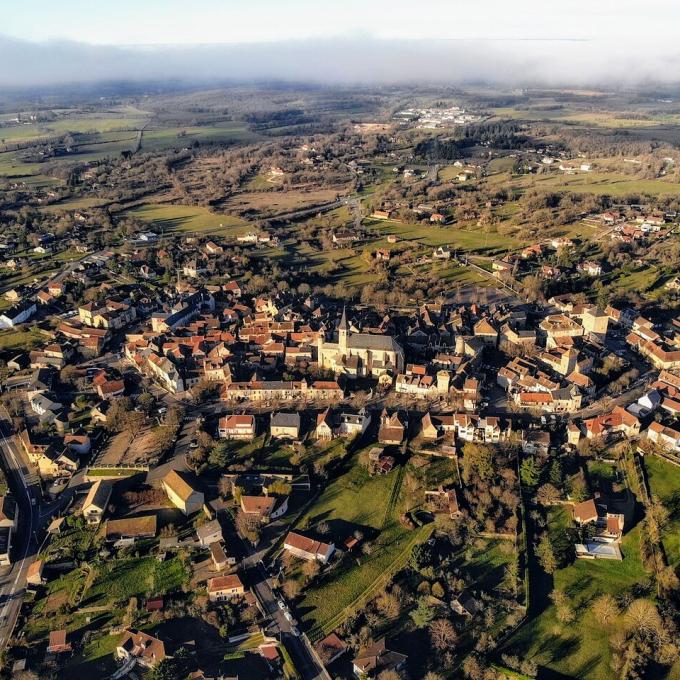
[120, 580]
[664, 482]
[580, 649]
[173, 218]
[13, 339]
[600, 183]
[81, 123]
[96, 659]
[74, 204]
[273, 202]
[468, 238]
[355, 500]
[180, 137]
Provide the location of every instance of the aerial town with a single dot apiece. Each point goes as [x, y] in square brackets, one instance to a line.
[332, 383]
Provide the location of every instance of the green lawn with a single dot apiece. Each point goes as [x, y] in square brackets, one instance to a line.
[664, 482]
[126, 578]
[13, 339]
[189, 218]
[355, 500]
[96, 659]
[579, 649]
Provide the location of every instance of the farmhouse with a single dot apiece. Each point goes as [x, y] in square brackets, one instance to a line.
[209, 533]
[265, 508]
[307, 548]
[96, 501]
[138, 647]
[182, 494]
[57, 643]
[223, 588]
[377, 659]
[16, 315]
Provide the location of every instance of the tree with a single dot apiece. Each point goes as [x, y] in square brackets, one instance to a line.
[247, 526]
[437, 590]
[546, 556]
[130, 613]
[556, 474]
[478, 461]
[171, 668]
[117, 414]
[134, 422]
[422, 614]
[311, 569]
[473, 668]
[388, 604]
[219, 454]
[564, 610]
[642, 615]
[291, 589]
[389, 675]
[146, 402]
[605, 609]
[68, 374]
[529, 472]
[547, 494]
[443, 634]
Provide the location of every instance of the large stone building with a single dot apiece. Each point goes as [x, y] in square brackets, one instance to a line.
[360, 354]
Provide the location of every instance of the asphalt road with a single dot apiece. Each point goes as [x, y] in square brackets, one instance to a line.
[26, 489]
[298, 646]
[299, 649]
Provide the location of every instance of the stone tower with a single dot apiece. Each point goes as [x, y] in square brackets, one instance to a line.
[342, 331]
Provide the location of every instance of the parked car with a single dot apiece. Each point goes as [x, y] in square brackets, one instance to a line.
[282, 605]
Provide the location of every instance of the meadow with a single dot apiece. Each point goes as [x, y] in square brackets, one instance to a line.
[579, 649]
[664, 482]
[184, 218]
[355, 500]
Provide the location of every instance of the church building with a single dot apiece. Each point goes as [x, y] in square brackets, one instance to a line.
[360, 354]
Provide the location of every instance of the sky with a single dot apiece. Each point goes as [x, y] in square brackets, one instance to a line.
[47, 42]
[154, 22]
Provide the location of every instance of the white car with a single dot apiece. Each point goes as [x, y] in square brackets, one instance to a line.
[282, 605]
[289, 617]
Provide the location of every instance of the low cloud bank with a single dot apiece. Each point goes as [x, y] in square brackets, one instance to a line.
[346, 61]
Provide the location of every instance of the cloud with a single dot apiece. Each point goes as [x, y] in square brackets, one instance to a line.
[353, 60]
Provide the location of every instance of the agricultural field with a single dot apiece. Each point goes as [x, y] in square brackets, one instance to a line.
[75, 122]
[461, 236]
[273, 202]
[181, 218]
[180, 137]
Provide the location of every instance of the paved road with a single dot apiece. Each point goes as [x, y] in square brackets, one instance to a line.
[26, 489]
[300, 650]
[299, 647]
